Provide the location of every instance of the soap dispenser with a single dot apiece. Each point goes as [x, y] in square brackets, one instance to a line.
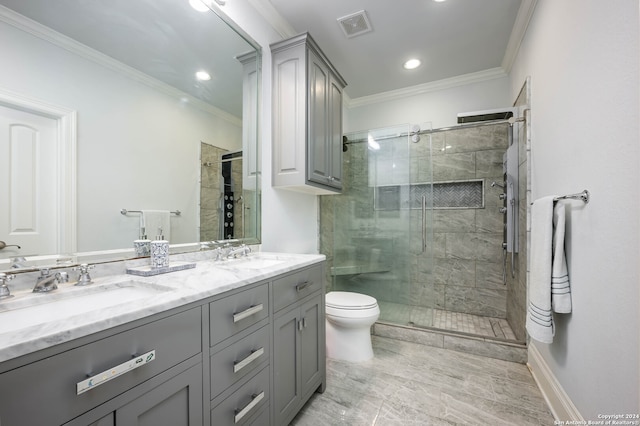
[143, 245]
[159, 251]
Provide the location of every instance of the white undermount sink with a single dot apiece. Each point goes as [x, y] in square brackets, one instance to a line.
[39, 308]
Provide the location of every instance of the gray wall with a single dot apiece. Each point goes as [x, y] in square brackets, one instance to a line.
[583, 61]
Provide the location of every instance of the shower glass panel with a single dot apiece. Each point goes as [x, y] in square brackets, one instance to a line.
[382, 233]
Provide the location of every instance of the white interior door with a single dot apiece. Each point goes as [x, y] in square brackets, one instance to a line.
[28, 183]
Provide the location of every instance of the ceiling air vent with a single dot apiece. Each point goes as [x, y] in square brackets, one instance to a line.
[355, 24]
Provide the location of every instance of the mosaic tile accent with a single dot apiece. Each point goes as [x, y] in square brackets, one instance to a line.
[445, 320]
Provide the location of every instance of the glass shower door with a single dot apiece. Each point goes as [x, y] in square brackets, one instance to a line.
[378, 216]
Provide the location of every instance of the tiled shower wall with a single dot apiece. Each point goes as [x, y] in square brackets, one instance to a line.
[467, 255]
[210, 189]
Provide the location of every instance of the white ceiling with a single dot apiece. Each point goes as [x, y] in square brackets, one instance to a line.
[165, 39]
[452, 38]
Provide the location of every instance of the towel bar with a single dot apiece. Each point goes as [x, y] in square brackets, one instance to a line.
[584, 196]
[125, 211]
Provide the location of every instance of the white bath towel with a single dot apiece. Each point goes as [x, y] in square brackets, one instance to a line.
[560, 286]
[153, 220]
[549, 280]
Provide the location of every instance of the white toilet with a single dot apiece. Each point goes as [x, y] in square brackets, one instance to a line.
[349, 320]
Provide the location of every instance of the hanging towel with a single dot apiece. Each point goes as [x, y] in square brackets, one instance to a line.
[154, 219]
[549, 280]
[560, 286]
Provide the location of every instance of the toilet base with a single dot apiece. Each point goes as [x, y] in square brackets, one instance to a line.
[348, 344]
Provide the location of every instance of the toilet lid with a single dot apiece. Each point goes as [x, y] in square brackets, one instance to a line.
[348, 300]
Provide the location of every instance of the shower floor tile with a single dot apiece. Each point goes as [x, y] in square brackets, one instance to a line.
[397, 313]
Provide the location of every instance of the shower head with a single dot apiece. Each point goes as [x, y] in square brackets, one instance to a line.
[494, 183]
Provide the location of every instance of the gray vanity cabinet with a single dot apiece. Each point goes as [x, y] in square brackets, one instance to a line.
[240, 340]
[298, 342]
[43, 390]
[307, 118]
[249, 356]
[177, 402]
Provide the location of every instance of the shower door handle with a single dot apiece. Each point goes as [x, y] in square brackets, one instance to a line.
[424, 224]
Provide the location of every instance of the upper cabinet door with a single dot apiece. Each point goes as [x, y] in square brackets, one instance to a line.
[318, 152]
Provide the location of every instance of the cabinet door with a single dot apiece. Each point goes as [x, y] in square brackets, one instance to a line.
[318, 159]
[177, 402]
[286, 391]
[311, 354]
[335, 132]
[108, 420]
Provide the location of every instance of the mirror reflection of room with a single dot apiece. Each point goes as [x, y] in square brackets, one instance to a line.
[125, 111]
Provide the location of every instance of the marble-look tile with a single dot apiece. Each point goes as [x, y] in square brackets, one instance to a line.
[339, 406]
[412, 384]
[489, 162]
[450, 272]
[490, 275]
[486, 348]
[461, 408]
[401, 333]
[454, 166]
[478, 301]
[462, 220]
[489, 219]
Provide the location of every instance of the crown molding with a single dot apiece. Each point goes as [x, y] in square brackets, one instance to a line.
[432, 86]
[517, 33]
[36, 29]
[271, 15]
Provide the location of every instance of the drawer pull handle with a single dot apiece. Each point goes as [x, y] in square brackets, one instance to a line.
[239, 365]
[112, 373]
[247, 312]
[255, 399]
[302, 286]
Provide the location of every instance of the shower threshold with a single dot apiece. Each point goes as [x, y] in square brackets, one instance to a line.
[486, 336]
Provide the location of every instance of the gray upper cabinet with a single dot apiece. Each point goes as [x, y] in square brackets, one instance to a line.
[307, 118]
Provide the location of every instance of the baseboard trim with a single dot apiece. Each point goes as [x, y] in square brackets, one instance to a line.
[557, 399]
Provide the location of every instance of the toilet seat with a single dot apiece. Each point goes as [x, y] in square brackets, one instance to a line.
[349, 301]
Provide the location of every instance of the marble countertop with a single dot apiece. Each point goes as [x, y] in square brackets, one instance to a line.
[166, 291]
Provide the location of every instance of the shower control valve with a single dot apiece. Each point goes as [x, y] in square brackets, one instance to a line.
[503, 209]
[502, 196]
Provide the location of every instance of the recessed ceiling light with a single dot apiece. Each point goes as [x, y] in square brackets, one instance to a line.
[412, 64]
[203, 76]
[439, 1]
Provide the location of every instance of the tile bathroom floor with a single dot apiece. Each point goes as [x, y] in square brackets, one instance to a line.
[446, 320]
[412, 384]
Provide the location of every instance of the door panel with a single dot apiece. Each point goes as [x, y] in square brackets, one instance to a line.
[28, 184]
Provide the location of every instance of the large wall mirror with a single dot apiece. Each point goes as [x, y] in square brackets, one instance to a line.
[109, 109]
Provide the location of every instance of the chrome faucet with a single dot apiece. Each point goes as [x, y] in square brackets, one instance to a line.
[84, 278]
[5, 293]
[242, 250]
[47, 282]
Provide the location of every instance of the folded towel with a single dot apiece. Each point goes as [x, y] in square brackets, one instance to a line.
[153, 220]
[560, 286]
[549, 279]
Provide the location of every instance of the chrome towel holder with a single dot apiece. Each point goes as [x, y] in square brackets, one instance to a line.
[584, 196]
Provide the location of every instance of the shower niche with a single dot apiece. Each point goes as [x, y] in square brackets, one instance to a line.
[465, 194]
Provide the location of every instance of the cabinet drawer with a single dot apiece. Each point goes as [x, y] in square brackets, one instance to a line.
[243, 404]
[238, 360]
[232, 314]
[291, 288]
[53, 381]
